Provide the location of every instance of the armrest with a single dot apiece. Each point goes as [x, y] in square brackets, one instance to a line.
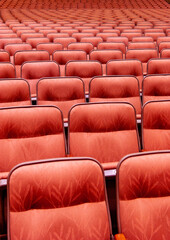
[120, 236]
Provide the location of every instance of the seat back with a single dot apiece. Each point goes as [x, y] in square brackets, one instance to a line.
[112, 45]
[142, 192]
[33, 71]
[156, 125]
[87, 47]
[4, 56]
[30, 133]
[156, 87]
[165, 53]
[141, 45]
[126, 67]
[158, 66]
[78, 199]
[14, 47]
[14, 92]
[101, 129]
[62, 57]
[50, 47]
[116, 88]
[7, 70]
[63, 92]
[65, 41]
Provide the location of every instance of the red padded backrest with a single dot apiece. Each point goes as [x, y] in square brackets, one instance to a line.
[165, 53]
[85, 69]
[62, 92]
[39, 69]
[4, 56]
[33, 41]
[163, 45]
[93, 40]
[78, 36]
[156, 87]
[50, 47]
[26, 35]
[87, 47]
[14, 92]
[65, 41]
[4, 41]
[115, 88]
[30, 133]
[156, 125]
[7, 70]
[112, 45]
[104, 56]
[13, 48]
[143, 192]
[30, 55]
[144, 55]
[162, 39]
[142, 39]
[158, 66]
[141, 45]
[62, 57]
[118, 39]
[154, 35]
[106, 131]
[130, 35]
[78, 199]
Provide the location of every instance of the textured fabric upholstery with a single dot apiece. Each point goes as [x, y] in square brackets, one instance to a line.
[33, 71]
[105, 131]
[116, 88]
[58, 199]
[158, 66]
[30, 133]
[62, 92]
[143, 196]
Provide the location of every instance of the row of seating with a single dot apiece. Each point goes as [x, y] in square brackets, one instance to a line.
[106, 131]
[78, 207]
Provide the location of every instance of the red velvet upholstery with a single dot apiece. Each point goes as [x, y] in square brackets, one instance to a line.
[141, 45]
[4, 41]
[155, 125]
[62, 92]
[112, 45]
[4, 56]
[13, 47]
[33, 41]
[33, 71]
[7, 70]
[105, 131]
[131, 35]
[118, 39]
[142, 39]
[156, 87]
[163, 45]
[143, 196]
[125, 67]
[155, 35]
[93, 40]
[65, 41]
[14, 92]
[84, 69]
[87, 47]
[165, 53]
[144, 55]
[26, 35]
[158, 66]
[63, 56]
[50, 47]
[116, 88]
[28, 55]
[58, 199]
[30, 133]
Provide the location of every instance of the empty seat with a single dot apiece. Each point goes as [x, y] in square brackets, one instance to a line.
[143, 196]
[4, 41]
[26, 35]
[14, 92]
[105, 131]
[162, 39]
[73, 196]
[4, 56]
[158, 66]
[125, 67]
[131, 35]
[12, 48]
[165, 53]
[50, 47]
[163, 45]
[28, 55]
[62, 92]
[84, 69]
[142, 39]
[112, 45]
[63, 56]
[29, 133]
[144, 55]
[156, 125]
[65, 41]
[87, 47]
[103, 56]
[106, 35]
[141, 45]
[79, 35]
[116, 88]
[33, 71]
[155, 35]
[156, 87]
[92, 40]
[33, 41]
[7, 70]
[118, 39]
